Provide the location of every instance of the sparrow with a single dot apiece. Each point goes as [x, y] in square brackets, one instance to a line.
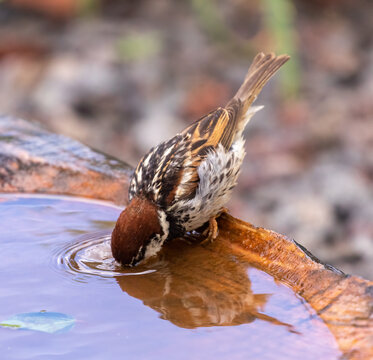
[183, 183]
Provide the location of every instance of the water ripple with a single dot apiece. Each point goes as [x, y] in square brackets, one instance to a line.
[90, 255]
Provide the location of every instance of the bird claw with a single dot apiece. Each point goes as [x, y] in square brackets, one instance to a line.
[211, 232]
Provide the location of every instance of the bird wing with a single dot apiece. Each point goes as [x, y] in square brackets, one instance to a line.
[169, 172]
[159, 172]
[205, 135]
[225, 125]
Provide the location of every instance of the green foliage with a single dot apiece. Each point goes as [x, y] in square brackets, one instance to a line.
[279, 18]
[88, 7]
[213, 23]
[211, 20]
[139, 46]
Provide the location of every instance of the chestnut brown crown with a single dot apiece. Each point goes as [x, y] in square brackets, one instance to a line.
[137, 226]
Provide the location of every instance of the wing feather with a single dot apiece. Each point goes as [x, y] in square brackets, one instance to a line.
[168, 173]
[206, 133]
[225, 125]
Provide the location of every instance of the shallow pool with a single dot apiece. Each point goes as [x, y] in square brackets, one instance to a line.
[191, 302]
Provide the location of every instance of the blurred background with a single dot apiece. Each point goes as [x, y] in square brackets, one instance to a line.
[121, 76]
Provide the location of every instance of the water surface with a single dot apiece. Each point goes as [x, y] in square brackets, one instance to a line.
[191, 302]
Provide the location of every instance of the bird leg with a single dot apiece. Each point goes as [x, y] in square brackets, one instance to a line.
[212, 231]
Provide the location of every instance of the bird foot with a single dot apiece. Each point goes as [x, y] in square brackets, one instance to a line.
[212, 231]
[209, 234]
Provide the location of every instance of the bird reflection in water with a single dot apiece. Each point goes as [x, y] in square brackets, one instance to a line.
[198, 286]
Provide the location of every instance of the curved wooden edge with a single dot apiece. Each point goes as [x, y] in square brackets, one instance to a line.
[344, 302]
[33, 160]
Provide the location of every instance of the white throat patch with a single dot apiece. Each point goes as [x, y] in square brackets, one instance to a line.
[157, 241]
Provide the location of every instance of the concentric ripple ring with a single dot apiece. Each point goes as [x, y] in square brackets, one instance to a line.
[90, 255]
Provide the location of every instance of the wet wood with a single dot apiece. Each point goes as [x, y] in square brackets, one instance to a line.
[344, 302]
[197, 285]
[35, 161]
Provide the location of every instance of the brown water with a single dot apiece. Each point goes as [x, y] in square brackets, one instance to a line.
[191, 302]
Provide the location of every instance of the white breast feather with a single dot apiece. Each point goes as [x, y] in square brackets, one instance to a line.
[218, 175]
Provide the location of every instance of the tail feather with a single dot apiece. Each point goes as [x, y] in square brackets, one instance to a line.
[261, 70]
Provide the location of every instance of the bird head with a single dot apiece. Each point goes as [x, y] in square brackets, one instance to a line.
[139, 233]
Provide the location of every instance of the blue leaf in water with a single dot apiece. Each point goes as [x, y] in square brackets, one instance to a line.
[50, 322]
